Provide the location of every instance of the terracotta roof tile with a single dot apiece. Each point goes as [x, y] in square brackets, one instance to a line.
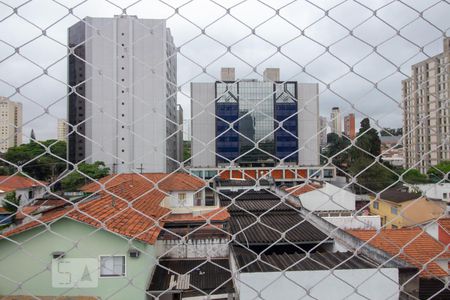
[419, 248]
[129, 206]
[14, 182]
[302, 189]
[444, 223]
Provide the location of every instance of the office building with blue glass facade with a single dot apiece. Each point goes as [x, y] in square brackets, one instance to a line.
[253, 122]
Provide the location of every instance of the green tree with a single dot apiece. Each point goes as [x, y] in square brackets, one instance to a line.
[440, 171]
[414, 176]
[35, 161]
[376, 178]
[77, 179]
[186, 150]
[337, 147]
[11, 202]
[368, 139]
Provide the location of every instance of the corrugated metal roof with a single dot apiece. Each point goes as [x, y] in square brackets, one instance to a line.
[246, 182]
[248, 262]
[248, 195]
[269, 229]
[212, 276]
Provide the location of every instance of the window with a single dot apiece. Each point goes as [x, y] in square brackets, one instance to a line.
[444, 195]
[30, 194]
[112, 266]
[181, 198]
[394, 210]
[375, 204]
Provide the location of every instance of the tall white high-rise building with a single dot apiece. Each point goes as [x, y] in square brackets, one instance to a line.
[123, 103]
[63, 130]
[10, 124]
[426, 112]
[336, 121]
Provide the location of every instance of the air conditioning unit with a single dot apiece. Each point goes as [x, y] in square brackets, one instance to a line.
[134, 253]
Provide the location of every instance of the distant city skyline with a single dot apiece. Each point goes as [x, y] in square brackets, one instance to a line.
[337, 87]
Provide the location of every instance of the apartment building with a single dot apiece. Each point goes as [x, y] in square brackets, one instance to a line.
[426, 112]
[323, 131]
[122, 96]
[336, 121]
[62, 130]
[10, 124]
[349, 126]
[254, 123]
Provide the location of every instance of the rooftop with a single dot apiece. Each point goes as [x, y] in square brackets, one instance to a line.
[14, 182]
[193, 277]
[410, 244]
[396, 195]
[303, 188]
[130, 206]
[274, 262]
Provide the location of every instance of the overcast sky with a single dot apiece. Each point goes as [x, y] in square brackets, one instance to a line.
[290, 35]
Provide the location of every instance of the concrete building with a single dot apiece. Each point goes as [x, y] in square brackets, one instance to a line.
[124, 111]
[426, 112]
[180, 133]
[273, 122]
[335, 120]
[323, 131]
[349, 126]
[63, 130]
[10, 124]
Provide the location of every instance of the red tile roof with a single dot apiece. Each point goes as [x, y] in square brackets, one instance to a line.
[129, 206]
[162, 181]
[302, 189]
[14, 182]
[419, 248]
[218, 215]
[444, 223]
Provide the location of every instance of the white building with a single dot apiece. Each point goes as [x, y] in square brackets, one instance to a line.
[336, 121]
[10, 124]
[275, 122]
[437, 191]
[63, 130]
[426, 113]
[25, 188]
[324, 198]
[124, 110]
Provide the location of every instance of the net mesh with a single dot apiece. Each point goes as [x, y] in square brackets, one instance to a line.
[224, 149]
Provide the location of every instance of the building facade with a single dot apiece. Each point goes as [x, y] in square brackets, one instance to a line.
[349, 126]
[323, 131]
[254, 123]
[63, 130]
[122, 97]
[335, 120]
[426, 112]
[10, 124]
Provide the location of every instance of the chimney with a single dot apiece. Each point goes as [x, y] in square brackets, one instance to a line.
[227, 74]
[271, 74]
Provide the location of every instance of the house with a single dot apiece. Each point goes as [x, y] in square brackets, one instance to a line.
[418, 248]
[26, 189]
[280, 250]
[399, 208]
[103, 246]
[439, 229]
[324, 198]
[437, 191]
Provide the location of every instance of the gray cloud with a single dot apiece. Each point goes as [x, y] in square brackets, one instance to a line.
[294, 38]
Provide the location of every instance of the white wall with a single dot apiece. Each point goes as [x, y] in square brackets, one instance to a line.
[329, 197]
[141, 108]
[203, 124]
[308, 124]
[434, 191]
[355, 222]
[370, 283]
[213, 247]
[38, 192]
